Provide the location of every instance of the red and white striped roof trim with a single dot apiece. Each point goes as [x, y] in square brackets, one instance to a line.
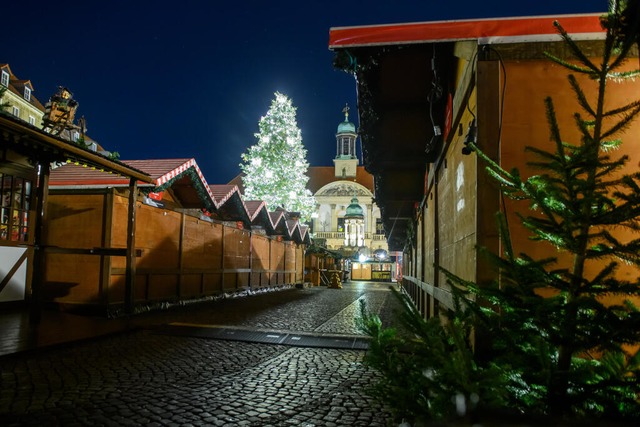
[485, 31]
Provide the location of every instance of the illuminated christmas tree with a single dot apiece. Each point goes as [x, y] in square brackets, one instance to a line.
[276, 167]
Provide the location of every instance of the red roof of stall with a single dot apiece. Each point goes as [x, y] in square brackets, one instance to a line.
[160, 170]
[493, 30]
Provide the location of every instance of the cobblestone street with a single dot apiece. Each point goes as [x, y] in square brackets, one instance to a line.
[147, 377]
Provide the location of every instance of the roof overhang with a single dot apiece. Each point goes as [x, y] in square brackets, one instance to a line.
[42, 146]
[398, 68]
[181, 177]
[493, 30]
[229, 205]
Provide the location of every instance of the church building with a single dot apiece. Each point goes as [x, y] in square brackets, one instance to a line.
[347, 219]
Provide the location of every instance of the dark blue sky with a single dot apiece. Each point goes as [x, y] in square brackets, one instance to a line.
[158, 79]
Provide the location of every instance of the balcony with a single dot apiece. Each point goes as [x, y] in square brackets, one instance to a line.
[330, 235]
[340, 235]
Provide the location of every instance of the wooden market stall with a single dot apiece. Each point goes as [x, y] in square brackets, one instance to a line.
[195, 240]
[426, 88]
[26, 156]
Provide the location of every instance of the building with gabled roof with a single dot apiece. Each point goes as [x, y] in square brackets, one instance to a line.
[229, 204]
[19, 96]
[257, 210]
[194, 239]
[179, 184]
[27, 154]
[176, 182]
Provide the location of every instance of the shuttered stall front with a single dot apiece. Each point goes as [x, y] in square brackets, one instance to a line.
[236, 244]
[76, 221]
[260, 261]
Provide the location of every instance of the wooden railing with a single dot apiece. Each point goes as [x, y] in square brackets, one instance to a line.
[415, 289]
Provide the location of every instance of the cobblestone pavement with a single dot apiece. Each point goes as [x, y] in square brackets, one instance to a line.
[145, 378]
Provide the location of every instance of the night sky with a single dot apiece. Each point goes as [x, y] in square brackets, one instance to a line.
[158, 79]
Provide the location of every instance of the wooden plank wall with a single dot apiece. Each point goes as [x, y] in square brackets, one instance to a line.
[183, 257]
[446, 232]
[71, 277]
[526, 122]
[459, 210]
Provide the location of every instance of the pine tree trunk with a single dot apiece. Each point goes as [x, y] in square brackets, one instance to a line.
[559, 384]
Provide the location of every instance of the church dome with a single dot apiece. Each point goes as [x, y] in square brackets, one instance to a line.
[354, 210]
[346, 127]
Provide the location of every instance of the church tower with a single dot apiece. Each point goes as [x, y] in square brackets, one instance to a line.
[346, 161]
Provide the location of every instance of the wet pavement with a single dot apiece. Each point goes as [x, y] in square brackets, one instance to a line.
[166, 369]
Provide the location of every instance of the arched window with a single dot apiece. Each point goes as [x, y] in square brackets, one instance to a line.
[346, 149]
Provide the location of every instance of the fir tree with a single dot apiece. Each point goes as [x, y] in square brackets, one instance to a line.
[275, 168]
[573, 352]
[560, 345]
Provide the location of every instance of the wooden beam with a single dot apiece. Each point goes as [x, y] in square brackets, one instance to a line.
[224, 257]
[105, 261]
[130, 275]
[180, 280]
[250, 257]
[488, 111]
[92, 251]
[39, 257]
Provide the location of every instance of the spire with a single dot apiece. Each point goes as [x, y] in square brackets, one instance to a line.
[346, 126]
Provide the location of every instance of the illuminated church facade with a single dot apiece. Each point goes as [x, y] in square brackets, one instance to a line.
[346, 218]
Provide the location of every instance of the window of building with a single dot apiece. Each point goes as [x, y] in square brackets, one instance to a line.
[27, 93]
[14, 207]
[4, 78]
[341, 225]
[16, 111]
[345, 146]
[379, 226]
[32, 120]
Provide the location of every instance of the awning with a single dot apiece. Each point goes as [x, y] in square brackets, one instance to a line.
[497, 30]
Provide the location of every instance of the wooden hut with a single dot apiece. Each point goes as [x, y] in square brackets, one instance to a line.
[424, 88]
[26, 155]
[194, 240]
